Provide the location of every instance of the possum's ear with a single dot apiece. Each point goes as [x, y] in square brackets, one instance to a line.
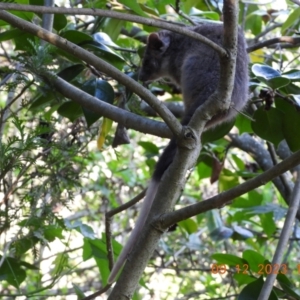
[158, 43]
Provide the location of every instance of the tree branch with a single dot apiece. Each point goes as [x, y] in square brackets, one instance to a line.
[99, 64]
[128, 119]
[225, 197]
[115, 15]
[262, 157]
[283, 240]
[221, 98]
[174, 178]
[295, 41]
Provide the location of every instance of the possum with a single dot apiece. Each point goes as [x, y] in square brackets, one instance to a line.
[194, 67]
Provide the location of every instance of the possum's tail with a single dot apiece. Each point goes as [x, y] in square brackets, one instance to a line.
[150, 195]
[163, 163]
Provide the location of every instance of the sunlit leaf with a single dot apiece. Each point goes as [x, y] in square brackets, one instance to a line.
[293, 18]
[134, 5]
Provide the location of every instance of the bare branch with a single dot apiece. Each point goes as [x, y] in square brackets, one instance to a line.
[47, 22]
[246, 143]
[128, 119]
[294, 41]
[284, 239]
[225, 197]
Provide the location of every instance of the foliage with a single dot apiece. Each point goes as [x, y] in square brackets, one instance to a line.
[56, 185]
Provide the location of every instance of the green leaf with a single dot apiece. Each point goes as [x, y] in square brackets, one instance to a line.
[86, 249]
[76, 37]
[78, 291]
[291, 89]
[84, 229]
[227, 180]
[293, 75]
[243, 124]
[204, 171]
[12, 272]
[103, 267]
[268, 124]
[103, 91]
[52, 231]
[217, 132]
[291, 125]
[60, 262]
[278, 82]
[104, 53]
[254, 23]
[151, 149]
[287, 286]
[24, 42]
[27, 16]
[70, 110]
[10, 34]
[252, 291]
[205, 14]
[87, 231]
[293, 18]
[268, 224]
[71, 72]
[240, 163]
[243, 279]
[270, 76]
[252, 198]
[113, 27]
[23, 245]
[90, 116]
[149, 10]
[134, 6]
[100, 89]
[228, 259]
[189, 225]
[254, 259]
[98, 248]
[42, 100]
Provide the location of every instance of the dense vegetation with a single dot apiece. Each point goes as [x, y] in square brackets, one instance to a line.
[68, 160]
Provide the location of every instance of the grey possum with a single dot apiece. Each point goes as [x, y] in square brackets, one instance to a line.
[194, 67]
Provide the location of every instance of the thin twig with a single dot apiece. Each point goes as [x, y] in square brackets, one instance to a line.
[284, 238]
[181, 14]
[108, 217]
[98, 293]
[294, 41]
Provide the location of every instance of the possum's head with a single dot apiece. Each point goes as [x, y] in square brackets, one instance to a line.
[155, 61]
